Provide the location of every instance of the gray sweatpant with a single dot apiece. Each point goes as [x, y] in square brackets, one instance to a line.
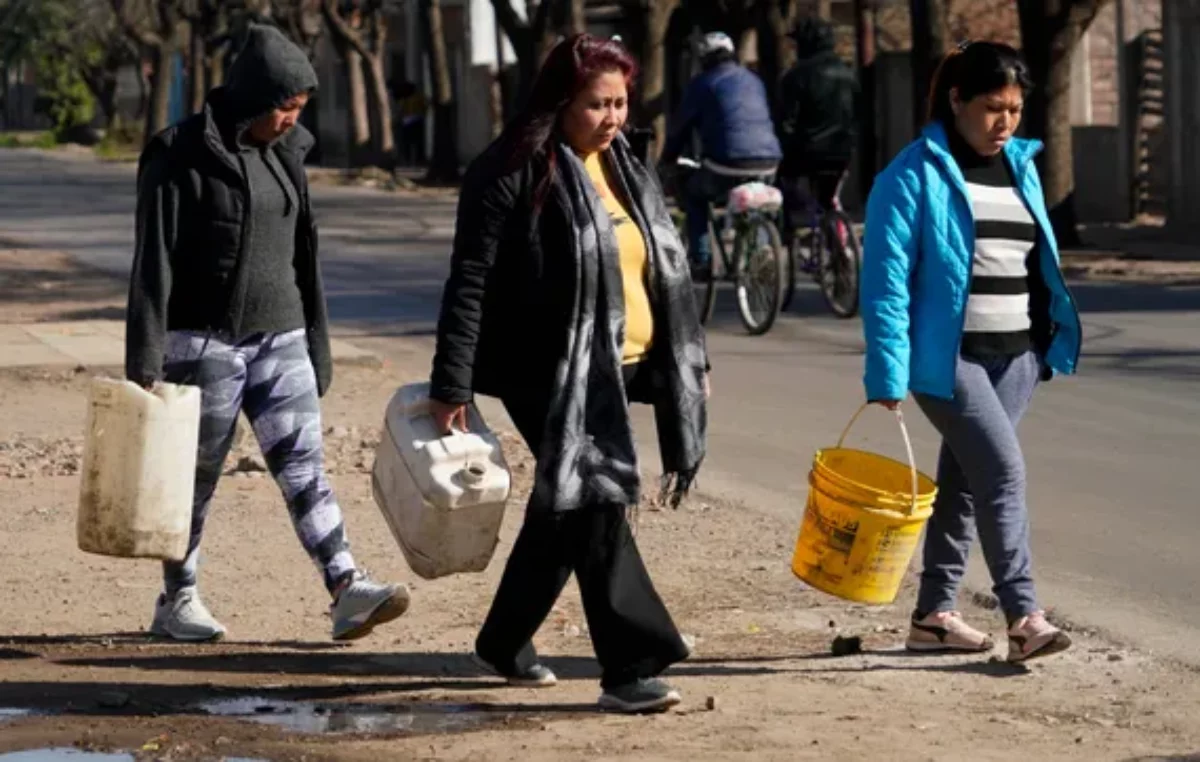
[981, 484]
[271, 377]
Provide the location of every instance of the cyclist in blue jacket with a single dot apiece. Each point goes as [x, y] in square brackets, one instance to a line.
[964, 305]
[727, 105]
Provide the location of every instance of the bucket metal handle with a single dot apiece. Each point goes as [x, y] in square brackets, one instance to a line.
[912, 461]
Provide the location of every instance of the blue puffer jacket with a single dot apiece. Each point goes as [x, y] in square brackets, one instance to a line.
[916, 274]
[728, 106]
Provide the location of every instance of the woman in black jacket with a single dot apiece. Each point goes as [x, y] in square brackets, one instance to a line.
[569, 297]
[225, 294]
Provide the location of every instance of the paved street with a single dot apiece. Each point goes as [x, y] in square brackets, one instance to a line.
[1110, 452]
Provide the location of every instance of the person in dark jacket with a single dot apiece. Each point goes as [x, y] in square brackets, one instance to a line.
[819, 97]
[727, 106]
[569, 297]
[225, 294]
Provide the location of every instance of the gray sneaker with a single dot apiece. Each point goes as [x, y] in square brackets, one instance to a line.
[646, 695]
[185, 618]
[689, 643]
[537, 676]
[363, 605]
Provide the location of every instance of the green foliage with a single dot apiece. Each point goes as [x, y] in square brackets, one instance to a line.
[122, 142]
[28, 140]
[70, 102]
[53, 36]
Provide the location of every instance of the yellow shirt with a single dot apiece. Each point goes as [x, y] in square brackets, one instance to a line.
[639, 318]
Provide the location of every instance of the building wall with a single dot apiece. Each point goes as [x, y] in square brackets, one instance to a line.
[1181, 29]
[998, 20]
[472, 52]
[1103, 50]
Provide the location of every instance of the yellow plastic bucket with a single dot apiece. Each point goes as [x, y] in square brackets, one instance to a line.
[862, 521]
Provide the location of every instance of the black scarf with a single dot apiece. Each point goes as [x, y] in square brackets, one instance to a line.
[588, 456]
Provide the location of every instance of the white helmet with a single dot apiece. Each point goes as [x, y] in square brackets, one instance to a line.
[714, 42]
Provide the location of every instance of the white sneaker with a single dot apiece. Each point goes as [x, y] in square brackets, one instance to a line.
[363, 605]
[185, 618]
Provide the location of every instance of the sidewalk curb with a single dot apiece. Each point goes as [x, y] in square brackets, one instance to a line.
[95, 344]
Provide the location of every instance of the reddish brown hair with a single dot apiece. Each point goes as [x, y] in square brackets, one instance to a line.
[569, 68]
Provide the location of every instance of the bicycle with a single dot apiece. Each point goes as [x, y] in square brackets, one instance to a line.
[830, 253]
[748, 251]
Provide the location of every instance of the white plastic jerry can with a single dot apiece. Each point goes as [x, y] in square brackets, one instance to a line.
[443, 496]
[139, 470]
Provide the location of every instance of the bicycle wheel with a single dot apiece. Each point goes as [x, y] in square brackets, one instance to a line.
[761, 275]
[841, 260]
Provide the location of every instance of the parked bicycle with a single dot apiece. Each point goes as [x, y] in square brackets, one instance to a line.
[828, 250]
[747, 250]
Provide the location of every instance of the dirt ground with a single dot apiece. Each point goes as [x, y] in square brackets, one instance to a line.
[77, 670]
[47, 286]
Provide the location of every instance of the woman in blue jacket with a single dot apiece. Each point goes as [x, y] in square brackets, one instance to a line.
[965, 306]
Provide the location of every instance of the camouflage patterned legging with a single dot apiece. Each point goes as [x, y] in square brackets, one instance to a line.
[271, 378]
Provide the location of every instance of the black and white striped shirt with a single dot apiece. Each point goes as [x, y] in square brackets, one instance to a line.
[998, 308]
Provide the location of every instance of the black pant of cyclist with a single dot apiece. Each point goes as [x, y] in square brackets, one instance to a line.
[818, 183]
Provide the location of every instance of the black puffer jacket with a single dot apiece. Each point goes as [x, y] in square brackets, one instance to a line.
[819, 98]
[506, 305]
[189, 263]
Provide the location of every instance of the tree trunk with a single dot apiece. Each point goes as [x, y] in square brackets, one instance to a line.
[161, 77]
[198, 69]
[101, 81]
[106, 98]
[747, 42]
[864, 35]
[1050, 35]
[657, 20]
[545, 39]
[359, 114]
[930, 35]
[531, 40]
[381, 103]
[143, 90]
[5, 97]
[443, 166]
[778, 54]
[576, 17]
[216, 66]
[781, 17]
[1058, 160]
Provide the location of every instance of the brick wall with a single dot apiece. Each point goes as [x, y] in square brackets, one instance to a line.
[1102, 48]
[997, 20]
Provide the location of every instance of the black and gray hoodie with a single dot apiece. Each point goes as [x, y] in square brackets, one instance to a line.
[225, 235]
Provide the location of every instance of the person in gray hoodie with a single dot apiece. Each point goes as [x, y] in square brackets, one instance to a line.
[226, 294]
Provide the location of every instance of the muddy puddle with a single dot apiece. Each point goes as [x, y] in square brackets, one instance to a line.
[309, 717]
[76, 755]
[8, 713]
[64, 755]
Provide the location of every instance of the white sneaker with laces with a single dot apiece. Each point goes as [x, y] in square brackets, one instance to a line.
[362, 605]
[185, 618]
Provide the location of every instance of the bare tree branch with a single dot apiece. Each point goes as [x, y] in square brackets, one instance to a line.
[342, 29]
